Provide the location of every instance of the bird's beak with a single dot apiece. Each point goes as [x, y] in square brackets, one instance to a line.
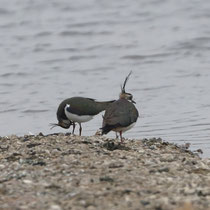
[133, 101]
[53, 125]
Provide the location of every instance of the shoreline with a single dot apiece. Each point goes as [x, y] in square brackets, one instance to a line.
[60, 171]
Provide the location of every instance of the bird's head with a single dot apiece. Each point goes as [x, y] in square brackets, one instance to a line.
[127, 96]
[62, 123]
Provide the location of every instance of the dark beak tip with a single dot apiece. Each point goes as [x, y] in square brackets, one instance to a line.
[133, 102]
[53, 125]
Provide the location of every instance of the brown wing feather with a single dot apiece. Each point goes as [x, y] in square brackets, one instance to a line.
[120, 113]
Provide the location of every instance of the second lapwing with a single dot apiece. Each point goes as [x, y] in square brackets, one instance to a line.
[120, 115]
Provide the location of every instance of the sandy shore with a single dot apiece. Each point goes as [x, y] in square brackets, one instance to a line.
[70, 172]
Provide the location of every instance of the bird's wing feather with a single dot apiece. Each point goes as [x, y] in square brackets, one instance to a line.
[119, 114]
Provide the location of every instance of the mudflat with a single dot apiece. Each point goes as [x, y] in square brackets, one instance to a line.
[61, 171]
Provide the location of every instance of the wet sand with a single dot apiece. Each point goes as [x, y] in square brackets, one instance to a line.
[61, 171]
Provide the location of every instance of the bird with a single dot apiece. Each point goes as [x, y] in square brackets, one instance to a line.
[78, 110]
[120, 115]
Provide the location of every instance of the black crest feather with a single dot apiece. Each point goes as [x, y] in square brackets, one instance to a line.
[126, 79]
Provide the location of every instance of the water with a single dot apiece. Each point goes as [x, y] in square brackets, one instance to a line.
[52, 50]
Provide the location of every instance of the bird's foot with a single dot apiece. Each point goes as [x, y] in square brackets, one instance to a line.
[122, 141]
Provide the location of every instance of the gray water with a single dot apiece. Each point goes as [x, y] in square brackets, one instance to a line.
[53, 50]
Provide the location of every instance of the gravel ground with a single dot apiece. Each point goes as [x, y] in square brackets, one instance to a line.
[61, 171]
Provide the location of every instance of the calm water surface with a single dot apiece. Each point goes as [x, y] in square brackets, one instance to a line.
[52, 50]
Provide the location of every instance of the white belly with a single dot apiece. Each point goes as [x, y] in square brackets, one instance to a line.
[123, 129]
[78, 118]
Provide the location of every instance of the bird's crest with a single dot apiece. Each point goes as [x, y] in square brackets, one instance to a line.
[126, 79]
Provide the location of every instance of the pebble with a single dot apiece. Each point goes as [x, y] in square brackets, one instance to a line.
[27, 181]
[55, 207]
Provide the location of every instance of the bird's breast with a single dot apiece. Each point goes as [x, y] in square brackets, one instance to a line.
[77, 118]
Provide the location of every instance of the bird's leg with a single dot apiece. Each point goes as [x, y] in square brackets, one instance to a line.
[121, 138]
[74, 125]
[116, 135]
[80, 129]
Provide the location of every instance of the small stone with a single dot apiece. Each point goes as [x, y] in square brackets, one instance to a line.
[27, 181]
[106, 179]
[115, 165]
[165, 169]
[55, 207]
[144, 203]
[2, 166]
[153, 147]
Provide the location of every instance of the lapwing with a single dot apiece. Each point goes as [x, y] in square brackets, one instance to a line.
[120, 115]
[78, 110]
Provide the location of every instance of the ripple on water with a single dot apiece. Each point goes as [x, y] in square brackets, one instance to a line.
[196, 44]
[7, 84]
[34, 111]
[65, 50]
[5, 12]
[4, 93]
[83, 33]
[8, 110]
[82, 57]
[43, 34]
[14, 74]
[149, 56]
[55, 60]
